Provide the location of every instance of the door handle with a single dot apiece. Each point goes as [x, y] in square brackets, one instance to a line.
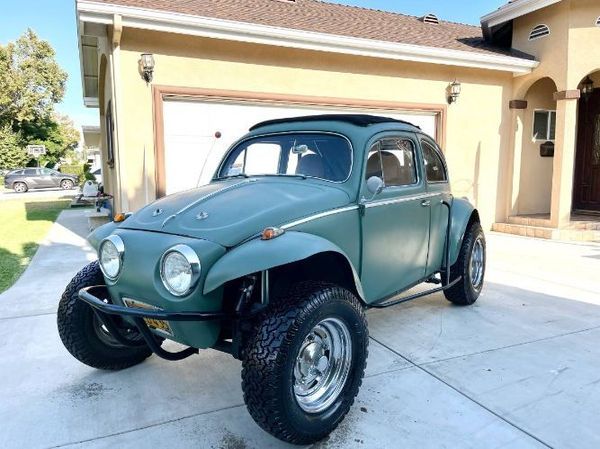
[425, 203]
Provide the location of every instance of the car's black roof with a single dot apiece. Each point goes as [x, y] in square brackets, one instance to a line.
[362, 120]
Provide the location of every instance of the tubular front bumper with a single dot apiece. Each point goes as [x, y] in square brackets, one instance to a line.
[105, 311]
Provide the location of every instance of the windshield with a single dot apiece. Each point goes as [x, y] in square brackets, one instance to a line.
[323, 156]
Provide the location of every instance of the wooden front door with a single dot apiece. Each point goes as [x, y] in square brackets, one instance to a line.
[586, 194]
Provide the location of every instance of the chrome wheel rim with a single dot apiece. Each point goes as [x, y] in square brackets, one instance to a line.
[477, 263]
[20, 188]
[66, 185]
[322, 365]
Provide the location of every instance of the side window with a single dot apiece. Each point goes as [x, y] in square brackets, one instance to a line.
[393, 160]
[30, 172]
[434, 166]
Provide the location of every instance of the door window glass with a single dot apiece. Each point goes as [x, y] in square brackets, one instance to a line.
[30, 172]
[393, 160]
[434, 166]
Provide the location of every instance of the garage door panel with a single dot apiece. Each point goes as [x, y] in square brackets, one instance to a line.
[193, 152]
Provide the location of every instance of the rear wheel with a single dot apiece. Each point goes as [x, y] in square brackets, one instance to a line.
[470, 266]
[83, 333]
[20, 187]
[66, 184]
[305, 364]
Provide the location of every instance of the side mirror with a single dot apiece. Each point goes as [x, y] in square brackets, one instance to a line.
[375, 185]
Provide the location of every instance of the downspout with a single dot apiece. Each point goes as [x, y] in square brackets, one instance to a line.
[115, 55]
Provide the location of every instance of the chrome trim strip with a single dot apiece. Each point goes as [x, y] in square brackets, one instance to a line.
[213, 194]
[317, 216]
[404, 199]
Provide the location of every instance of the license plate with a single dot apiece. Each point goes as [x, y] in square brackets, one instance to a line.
[159, 325]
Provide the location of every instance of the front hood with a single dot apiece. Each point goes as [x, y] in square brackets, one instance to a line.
[230, 211]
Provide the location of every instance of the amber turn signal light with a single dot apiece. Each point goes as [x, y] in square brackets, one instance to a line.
[118, 218]
[271, 233]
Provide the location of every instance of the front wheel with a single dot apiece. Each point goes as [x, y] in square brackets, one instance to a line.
[83, 333]
[20, 187]
[306, 362]
[66, 184]
[470, 266]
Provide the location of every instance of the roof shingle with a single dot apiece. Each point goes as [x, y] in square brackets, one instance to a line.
[331, 18]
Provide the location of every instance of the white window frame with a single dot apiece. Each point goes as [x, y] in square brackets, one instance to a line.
[540, 27]
[534, 136]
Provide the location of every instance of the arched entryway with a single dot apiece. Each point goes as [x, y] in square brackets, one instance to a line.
[586, 182]
[538, 135]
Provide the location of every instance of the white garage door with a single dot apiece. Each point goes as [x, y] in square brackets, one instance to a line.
[192, 152]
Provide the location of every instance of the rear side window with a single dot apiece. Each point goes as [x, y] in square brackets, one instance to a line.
[393, 160]
[434, 166]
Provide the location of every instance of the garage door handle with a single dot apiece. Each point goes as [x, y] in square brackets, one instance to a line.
[425, 203]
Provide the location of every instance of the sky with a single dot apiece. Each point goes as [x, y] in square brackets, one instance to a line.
[54, 21]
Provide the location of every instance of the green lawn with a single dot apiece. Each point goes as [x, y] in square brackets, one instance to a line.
[23, 224]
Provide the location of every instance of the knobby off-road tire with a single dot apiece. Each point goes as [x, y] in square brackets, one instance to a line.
[81, 331]
[274, 361]
[471, 266]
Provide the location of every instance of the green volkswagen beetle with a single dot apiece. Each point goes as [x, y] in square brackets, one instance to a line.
[307, 223]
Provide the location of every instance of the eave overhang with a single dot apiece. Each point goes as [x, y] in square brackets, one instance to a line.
[511, 11]
[148, 19]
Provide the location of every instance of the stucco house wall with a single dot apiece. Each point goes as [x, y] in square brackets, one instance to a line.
[477, 126]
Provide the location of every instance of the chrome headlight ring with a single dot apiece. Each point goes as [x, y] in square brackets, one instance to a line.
[118, 244]
[194, 263]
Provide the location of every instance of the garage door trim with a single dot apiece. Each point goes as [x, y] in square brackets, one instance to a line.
[161, 93]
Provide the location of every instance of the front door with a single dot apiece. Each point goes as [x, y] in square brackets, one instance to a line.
[395, 222]
[586, 195]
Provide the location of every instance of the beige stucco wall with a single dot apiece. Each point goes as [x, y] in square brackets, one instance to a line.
[567, 55]
[478, 126]
[536, 180]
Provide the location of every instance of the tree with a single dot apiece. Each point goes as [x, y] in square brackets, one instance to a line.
[12, 154]
[31, 81]
[57, 133]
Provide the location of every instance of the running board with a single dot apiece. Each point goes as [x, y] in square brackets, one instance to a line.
[383, 305]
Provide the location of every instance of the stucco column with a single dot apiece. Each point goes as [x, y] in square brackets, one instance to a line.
[564, 157]
[518, 108]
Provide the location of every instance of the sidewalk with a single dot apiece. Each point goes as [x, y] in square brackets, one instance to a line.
[517, 370]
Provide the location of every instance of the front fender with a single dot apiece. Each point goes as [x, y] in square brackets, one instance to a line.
[462, 211]
[259, 255]
[100, 233]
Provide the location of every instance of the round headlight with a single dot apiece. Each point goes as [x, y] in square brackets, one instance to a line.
[111, 256]
[180, 269]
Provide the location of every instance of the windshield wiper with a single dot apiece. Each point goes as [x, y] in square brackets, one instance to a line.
[239, 175]
[285, 175]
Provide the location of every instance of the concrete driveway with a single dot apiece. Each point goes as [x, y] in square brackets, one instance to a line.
[45, 194]
[520, 369]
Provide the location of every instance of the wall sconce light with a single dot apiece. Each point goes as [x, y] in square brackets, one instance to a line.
[453, 91]
[147, 66]
[587, 87]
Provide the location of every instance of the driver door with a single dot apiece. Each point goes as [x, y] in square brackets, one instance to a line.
[396, 221]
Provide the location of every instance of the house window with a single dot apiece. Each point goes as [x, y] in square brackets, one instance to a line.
[539, 32]
[544, 125]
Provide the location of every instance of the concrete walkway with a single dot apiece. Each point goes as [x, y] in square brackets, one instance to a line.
[520, 369]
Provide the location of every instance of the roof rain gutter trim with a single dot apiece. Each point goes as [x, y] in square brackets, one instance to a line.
[170, 22]
[513, 10]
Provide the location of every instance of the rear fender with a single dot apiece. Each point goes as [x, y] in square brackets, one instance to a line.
[259, 255]
[463, 213]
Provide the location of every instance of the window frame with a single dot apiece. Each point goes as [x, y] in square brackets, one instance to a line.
[548, 123]
[440, 154]
[415, 160]
[241, 141]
